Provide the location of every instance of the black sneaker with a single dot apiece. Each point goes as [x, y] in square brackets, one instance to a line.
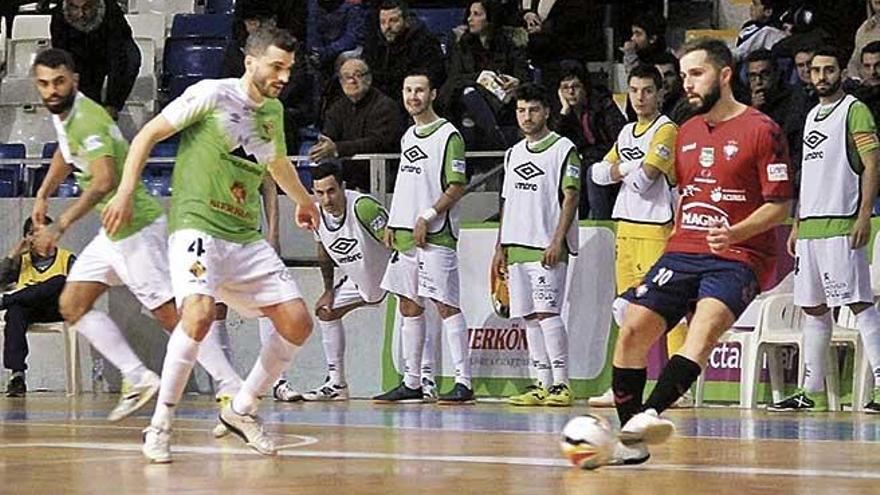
[802, 400]
[16, 386]
[460, 394]
[873, 407]
[400, 395]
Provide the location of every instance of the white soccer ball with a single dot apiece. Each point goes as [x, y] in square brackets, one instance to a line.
[587, 441]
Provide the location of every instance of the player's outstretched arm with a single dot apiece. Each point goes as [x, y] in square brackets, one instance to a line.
[58, 171]
[285, 175]
[119, 210]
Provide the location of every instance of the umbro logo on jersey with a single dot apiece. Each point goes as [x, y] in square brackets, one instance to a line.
[528, 171]
[631, 154]
[814, 139]
[414, 154]
[343, 246]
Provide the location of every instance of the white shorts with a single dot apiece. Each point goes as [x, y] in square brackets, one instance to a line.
[828, 271]
[246, 277]
[535, 288]
[346, 293]
[140, 262]
[424, 273]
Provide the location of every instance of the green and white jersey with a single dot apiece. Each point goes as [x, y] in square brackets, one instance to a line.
[227, 140]
[831, 168]
[354, 242]
[432, 157]
[89, 133]
[535, 178]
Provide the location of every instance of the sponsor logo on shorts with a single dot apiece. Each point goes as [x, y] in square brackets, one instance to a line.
[835, 289]
[631, 154]
[703, 216]
[198, 269]
[641, 290]
[527, 171]
[414, 154]
[777, 172]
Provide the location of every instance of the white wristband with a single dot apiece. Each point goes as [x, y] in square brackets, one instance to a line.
[625, 168]
[429, 215]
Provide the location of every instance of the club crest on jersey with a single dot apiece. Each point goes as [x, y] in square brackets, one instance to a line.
[268, 129]
[707, 157]
[239, 192]
[631, 154]
[730, 150]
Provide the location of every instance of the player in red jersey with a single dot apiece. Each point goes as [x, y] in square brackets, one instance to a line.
[735, 186]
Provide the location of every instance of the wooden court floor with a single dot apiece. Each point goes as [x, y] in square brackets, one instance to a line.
[53, 445]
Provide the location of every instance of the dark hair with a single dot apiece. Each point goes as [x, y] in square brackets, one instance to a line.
[872, 47]
[327, 168]
[570, 69]
[395, 4]
[494, 15]
[54, 58]
[266, 36]
[29, 224]
[716, 50]
[761, 55]
[533, 92]
[834, 52]
[645, 71]
[667, 58]
[653, 24]
[253, 9]
[421, 72]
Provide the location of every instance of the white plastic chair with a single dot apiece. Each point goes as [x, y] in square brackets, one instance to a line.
[779, 325]
[2, 41]
[71, 350]
[30, 34]
[846, 333]
[148, 31]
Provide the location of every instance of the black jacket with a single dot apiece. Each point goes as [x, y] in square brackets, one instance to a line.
[416, 48]
[605, 121]
[99, 54]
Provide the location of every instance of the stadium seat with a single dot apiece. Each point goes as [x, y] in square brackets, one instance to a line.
[148, 31]
[26, 123]
[166, 8]
[178, 84]
[201, 26]
[11, 173]
[219, 6]
[194, 56]
[441, 21]
[2, 43]
[30, 34]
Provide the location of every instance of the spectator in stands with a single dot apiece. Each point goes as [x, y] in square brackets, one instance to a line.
[558, 31]
[675, 103]
[590, 118]
[647, 42]
[404, 43]
[299, 95]
[98, 36]
[38, 278]
[869, 31]
[334, 27]
[484, 103]
[365, 121]
[783, 103]
[869, 89]
[762, 30]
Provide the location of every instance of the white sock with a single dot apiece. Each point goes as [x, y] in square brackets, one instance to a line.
[221, 334]
[267, 330]
[180, 357]
[869, 327]
[457, 336]
[540, 368]
[817, 338]
[333, 338]
[216, 362]
[413, 333]
[276, 354]
[101, 331]
[556, 341]
[429, 352]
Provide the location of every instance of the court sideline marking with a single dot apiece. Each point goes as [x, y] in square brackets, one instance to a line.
[511, 461]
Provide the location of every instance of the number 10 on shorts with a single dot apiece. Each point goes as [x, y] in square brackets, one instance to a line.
[663, 276]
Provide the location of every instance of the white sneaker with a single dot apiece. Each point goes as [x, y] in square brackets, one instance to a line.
[624, 455]
[604, 400]
[429, 391]
[135, 396]
[249, 428]
[283, 391]
[157, 445]
[686, 401]
[646, 427]
[220, 430]
[327, 392]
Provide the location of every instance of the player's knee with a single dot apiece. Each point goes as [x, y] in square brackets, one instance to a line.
[71, 309]
[628, 338]
[447, 311]
[409, 308]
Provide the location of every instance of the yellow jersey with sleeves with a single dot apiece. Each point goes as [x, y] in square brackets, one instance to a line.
[431, 158]
[89, 133]
[651, 143]
[536, 176]
[227, 140]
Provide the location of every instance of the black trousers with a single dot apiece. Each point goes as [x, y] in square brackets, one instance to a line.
[18, 317]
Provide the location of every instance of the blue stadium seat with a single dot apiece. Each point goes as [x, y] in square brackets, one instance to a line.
[49, 149]
[440, 22]
[194, 57]
[201, 26]
[11, 173]
[178, 84]
[219, 6]
[165, 149]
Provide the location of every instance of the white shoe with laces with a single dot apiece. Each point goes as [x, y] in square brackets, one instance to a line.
[283, 391]
[220, 430]
[157, 445]
[604, 400]
[249, 428]
[327, 392]
[135, 396]
[626, 455]
[646, 427]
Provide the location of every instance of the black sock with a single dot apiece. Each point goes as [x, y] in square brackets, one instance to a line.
[677, 377]
[628, 385]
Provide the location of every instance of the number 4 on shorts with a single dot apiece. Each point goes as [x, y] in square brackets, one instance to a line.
[196, 247]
